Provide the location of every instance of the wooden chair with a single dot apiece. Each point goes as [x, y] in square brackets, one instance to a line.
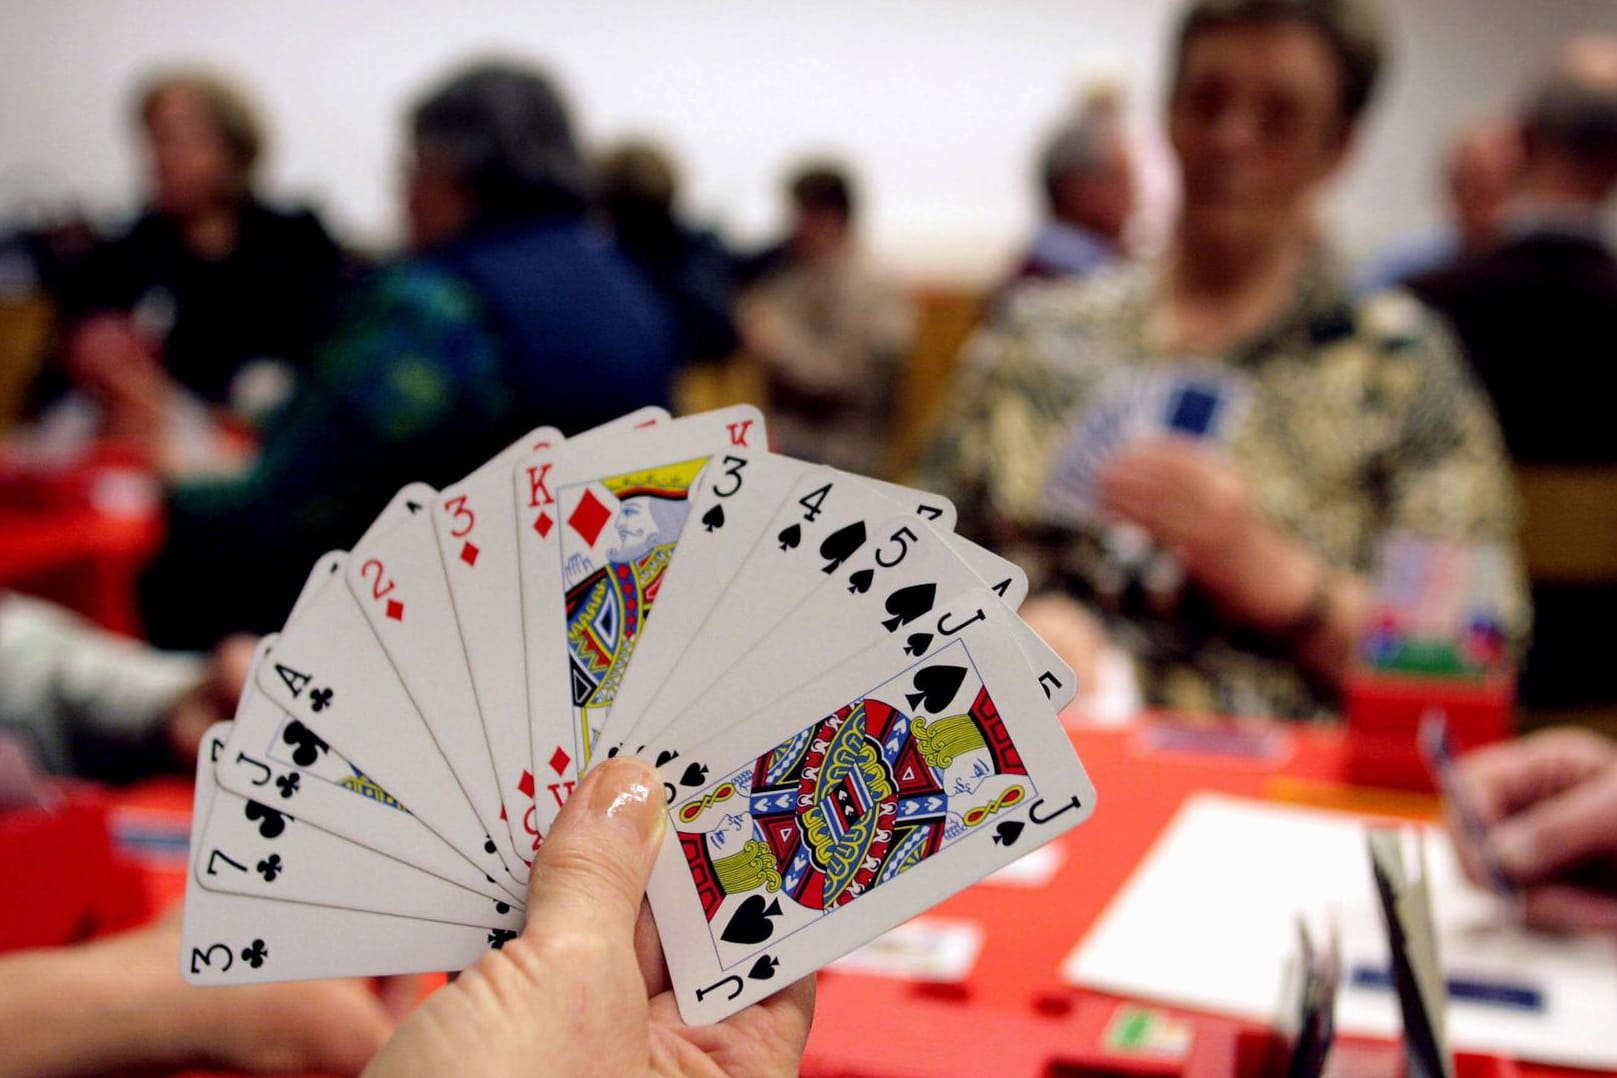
[25, 326]
[1569, 540]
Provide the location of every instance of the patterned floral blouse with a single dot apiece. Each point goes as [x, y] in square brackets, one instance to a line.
[1361, 420]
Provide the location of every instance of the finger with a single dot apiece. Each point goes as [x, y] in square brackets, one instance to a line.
[791, 1012]
[1570, 909]
[1505, 777]
[1559, 831]
[591, 872]
[400, 993]
[648, 951]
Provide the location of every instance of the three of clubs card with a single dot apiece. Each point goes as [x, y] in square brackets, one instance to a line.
[843, 707]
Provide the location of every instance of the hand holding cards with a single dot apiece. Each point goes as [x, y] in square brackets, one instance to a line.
[842, 705]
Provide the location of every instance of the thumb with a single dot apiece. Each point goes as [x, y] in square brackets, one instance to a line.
[1560, 831]
[592, 869]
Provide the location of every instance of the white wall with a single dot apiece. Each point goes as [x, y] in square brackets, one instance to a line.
[938, 102]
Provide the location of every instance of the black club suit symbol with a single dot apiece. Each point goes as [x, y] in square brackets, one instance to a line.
[254, 956]
[270, 867]
[320, 699]
[289, 784]
[499, 937]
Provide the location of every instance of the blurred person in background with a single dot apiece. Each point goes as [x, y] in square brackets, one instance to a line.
[1086, 178]
[1482, 168]
[85, 702]
[829, 331]
[1549, 804]
[1538, 317]
[510, 311]
[117, 1006]
[637, 190]
[1359, 419]
[212, 295]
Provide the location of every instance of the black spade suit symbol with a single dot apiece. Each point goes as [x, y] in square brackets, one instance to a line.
[840, 545]
[935, 687]
[694, 775]
[917, 643]
[1008, 832]
[664, 756]
[713, 519]
[764, 968]
[790, 537]
[859, 583]
[907, 604]
[750, 923]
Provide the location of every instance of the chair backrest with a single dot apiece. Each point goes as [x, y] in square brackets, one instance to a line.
[1569, 533]
[24, 332]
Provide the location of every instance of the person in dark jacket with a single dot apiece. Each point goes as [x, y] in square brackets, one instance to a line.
[210, 281]
[511, 311]
[1537, 316]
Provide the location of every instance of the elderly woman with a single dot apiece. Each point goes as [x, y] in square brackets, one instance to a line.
[209, 281]
[510, 312]
[1358, 418]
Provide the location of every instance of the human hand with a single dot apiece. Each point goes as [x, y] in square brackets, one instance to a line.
[214, 699]
[1549, 803]
[119, 1006]
[1190, 497]
[1194, 501]
[583, 989]
[107, 356]
[1071, 631]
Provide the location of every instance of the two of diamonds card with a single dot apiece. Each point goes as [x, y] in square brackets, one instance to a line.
[850, 722]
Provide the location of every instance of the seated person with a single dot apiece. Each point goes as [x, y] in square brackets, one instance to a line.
[210, 290]
[828, 330]
[88, 703]
[1086, 177]
[1538, 318]
[511, 312]
[1359, 418]
[638, 190]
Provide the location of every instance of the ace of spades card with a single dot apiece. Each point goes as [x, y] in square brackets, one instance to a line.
[884, 801]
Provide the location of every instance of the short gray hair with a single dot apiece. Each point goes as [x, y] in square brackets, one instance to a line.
[504, 130]
[1077, 146]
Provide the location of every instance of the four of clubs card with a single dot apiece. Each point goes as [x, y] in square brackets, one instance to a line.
[850, 722]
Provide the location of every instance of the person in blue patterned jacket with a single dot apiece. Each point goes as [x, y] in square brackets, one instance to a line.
[509, 312]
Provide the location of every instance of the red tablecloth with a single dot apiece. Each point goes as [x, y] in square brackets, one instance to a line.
[1013, 1017]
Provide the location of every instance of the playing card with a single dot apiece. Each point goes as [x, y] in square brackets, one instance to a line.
[329, 672]
[824, 520]
[275, 759]
[934, 950]
[398, 579]
[1188, 400]
[254, 848]
[600, 525]
[895, 595]
[476, 522]
[236, 939]
[731, 505]
[918, 779]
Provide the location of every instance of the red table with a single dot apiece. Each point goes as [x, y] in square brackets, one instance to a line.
[80, 536]
[1014, 1017]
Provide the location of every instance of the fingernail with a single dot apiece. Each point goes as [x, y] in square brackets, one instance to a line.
[628, 796]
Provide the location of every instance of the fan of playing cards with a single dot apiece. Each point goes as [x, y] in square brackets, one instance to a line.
[844, 709]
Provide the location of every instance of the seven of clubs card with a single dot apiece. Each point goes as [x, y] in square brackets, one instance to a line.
[843, 706]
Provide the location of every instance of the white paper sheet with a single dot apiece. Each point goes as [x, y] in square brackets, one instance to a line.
[1208, 922]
